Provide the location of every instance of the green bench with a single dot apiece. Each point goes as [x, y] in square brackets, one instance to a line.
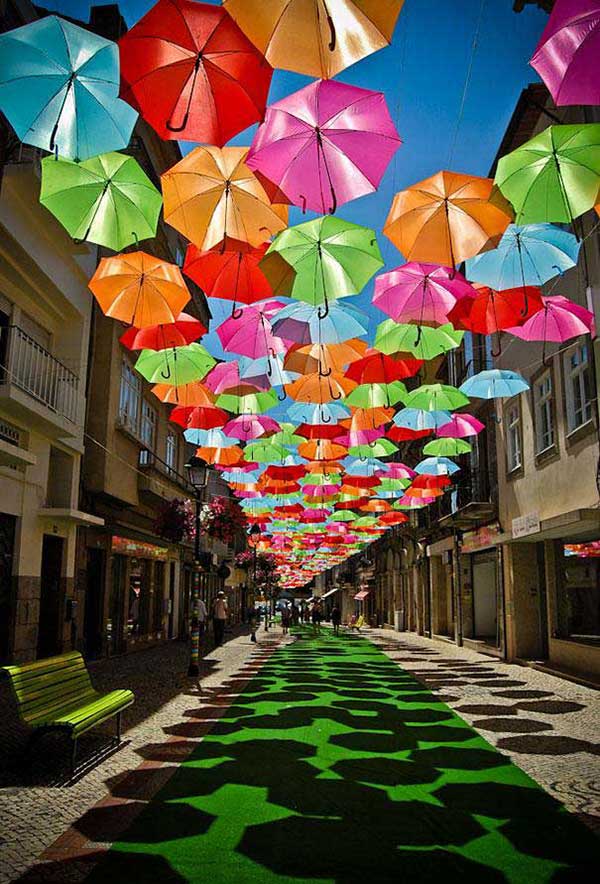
[57, 693]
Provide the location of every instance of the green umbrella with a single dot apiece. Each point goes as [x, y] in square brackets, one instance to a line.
[108, 200]
[321, 479]
[554, 176]
[378, 448]
[365, 522]
[343, 516]
[177, 365]
[329, 258]
[393, 484]
[447, 447]
[376, 395]
[422, 341]
[436, 397]
[265, 452]
[248, 403]
[286, 435]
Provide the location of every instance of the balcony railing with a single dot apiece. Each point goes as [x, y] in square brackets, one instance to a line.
[31, 368]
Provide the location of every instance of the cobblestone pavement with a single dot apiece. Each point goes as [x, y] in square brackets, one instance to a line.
[548, 726]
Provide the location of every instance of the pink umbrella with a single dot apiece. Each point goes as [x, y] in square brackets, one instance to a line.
[396, 471]
[558, 321]
[250, 426]
[566, 58]
[326, 144]
[225, 376]
[320, 490]
[250, 334]
[422, 293]
[460, 426]
[360, 437]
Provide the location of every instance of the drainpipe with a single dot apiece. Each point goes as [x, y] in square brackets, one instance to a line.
[458, 623]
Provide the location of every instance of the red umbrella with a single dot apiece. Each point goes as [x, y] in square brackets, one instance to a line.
[206, 418]
[232, 273]
[285, 472]
[185, 330]
[318, 431]
[403, 434]
[192, 73]
[375, 368]
[492, 311]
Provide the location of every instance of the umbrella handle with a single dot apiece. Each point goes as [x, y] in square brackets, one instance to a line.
[324, 374]
[495, 353]
[332, 42]
[325, 420]
[335, 398]
[282, 398]
[334, 201]
[303, 208]
[237, 312]
[172, 128]
[167, 375]
[326, 313]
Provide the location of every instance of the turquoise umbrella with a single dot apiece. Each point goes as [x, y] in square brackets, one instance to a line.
[59, 89]
[494, 384]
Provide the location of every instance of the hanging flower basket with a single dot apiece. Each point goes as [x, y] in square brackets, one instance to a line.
[222, 519]
[175, 520]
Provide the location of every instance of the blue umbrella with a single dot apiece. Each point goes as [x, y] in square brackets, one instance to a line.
[326, 413]
[214, 438]
[529, 255]
[365, 467]
[494, 384]
[272, 366]
[305, 324]
[59, 89]
[417, 419]
[437, 466]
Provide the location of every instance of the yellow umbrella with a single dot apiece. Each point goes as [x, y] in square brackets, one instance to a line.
[319, 38]
[211, 196]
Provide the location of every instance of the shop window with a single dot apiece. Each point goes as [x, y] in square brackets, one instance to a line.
[171, 452]
[149, 419]
[138, 620]
[130, 398]
[513, 437]
[543, 405]
[159, 587]
[578, 387]
[579, 586]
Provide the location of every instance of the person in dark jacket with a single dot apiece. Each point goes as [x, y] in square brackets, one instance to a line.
[336, 619]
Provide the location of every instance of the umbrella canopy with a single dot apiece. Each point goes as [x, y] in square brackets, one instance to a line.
[322, 450]
[459, 426]
[250, 334]
[491, 311]
[377, 395]
[555, 176]
[330, 258]
[566, 57]
[220, 457]
[422, 341]
[108, 200]
[177, 365]
[255, 402]
[211, 195]
[264, 371]
[436, 397]
[447, 218]
[421, 419]
[422, 293]
[192, 73]
[304, 324]
[250, 426]
[232, 273]
[378, 448]
[447, 447]
[142, 291]
[307, 358]
[225, 377]
[200, 417]
[185, 330]
[529, 255]
[314, 38]
[213, 438]
[321, 413]
[494, 384]
[559, 320]
[326, 144]
[185, 396]
[265, 451]
[319, 389]
[59, 88]
[436, 466]
[375, 368]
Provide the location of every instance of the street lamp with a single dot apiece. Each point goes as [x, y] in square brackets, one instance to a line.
[197, 474]
[253, 539]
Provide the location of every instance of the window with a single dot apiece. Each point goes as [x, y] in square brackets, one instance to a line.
[171, 453]
[130, 398]
[544, 413]
[513, 437]
[148, 423]
[578, 387]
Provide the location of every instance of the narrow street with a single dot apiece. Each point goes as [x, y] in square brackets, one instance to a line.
[330, 759]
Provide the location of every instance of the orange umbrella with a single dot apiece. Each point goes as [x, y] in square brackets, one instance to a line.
[369, 418]
[321, 449]
[313, 37]
[318, 388]
[222, 457]
[186, 395]
[308, 358]
[423, 492]
[393, 518]
[315, 466]
[447, 218]
[376, 505]
[211, 196]
[139, 289]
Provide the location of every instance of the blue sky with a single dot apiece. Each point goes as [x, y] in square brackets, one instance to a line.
[423, 75]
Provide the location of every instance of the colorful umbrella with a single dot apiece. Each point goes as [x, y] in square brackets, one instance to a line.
[185, 330]
[59, 88]
[307, 325]
[447, 447]
[326, 144]
[200, 417]
[178, 365]
[330, 258]
[559, 320]
[566, 57]
[322, 450]
[307, 358]
[225, 377]
[255, 402]
[192, 73]
[491, 312]
[142, 291]
[460, 426]
[316, 38]
[447, 218]
[232, 273]
[420, 419]
[421, 293]
[265, 451]
[322, 413]
[494, 384]
[436, 466]
[377, 395]
[436, 397]
[524, 256]
[319, 389]
[555, 176]
[250, 426]
[378, 448]
[375, 368]
[186, 395]
[422, 341]
[211, 196]
[213, 438]
[108, 200]
[249, 334]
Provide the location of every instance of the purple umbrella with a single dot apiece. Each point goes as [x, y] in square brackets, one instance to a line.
[422, 293]
[566, 58]
[558, 321]
[326, 144]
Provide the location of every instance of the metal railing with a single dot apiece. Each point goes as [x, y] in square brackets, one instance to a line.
[31, 368]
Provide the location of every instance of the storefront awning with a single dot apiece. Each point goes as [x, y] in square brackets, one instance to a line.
[331, 592]
[361, 596]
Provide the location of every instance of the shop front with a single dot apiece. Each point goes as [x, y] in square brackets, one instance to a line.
[482, 589]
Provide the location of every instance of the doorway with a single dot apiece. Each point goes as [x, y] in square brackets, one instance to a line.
[485, 597]
[94, 604]
[171, 599]
[7, 600]
[49, 640]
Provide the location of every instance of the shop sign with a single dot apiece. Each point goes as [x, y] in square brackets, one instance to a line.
[525, 525]
[125, 546]
[487, 535]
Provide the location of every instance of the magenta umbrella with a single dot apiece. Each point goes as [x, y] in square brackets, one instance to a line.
[250, 426]
[421, 293]
[460, 426]
[558, 321]
[225, 376]
[360, 437]
[250, 334]
[326, 144]
[396, 471]
[566, 58]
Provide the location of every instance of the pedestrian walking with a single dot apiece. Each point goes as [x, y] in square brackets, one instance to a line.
[295, 614]
[220, 611]
[253, 617]
[286, 618]
[316, 617]
[336, 619]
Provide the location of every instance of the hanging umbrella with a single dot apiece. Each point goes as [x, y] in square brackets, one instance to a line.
[436, 397]
[307, 358]
[307, 325]
[460, 426]
[249, 334]
[437, 466]
[321, 413]
[330, 258]
[423, 342]
[287, 435]
[178, 365]
[491, 312]
[404, 434]
[250, 426]
[447, 447]
[555, 176]
[213, 438]
[59, 88]
[320, 389]
[447, 218]
[185, 330]
[265, 371]
[494, 384]
[420, 419]
[200, 417]
[375, 368]
[421, 293]
[566, 57]
[211, 196]
[141, 290]
[559, 320]
[378, 448]
[108, 200]
[192, 73]
[397, 471]
[265, 451]
[367, 418]
[255, 402]
[220, 457]
[529, 255]
[186, 395]
[322, 450]
[315, 38]
[326, 144]
[232, 273]
[377, 395]
[225, 377]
